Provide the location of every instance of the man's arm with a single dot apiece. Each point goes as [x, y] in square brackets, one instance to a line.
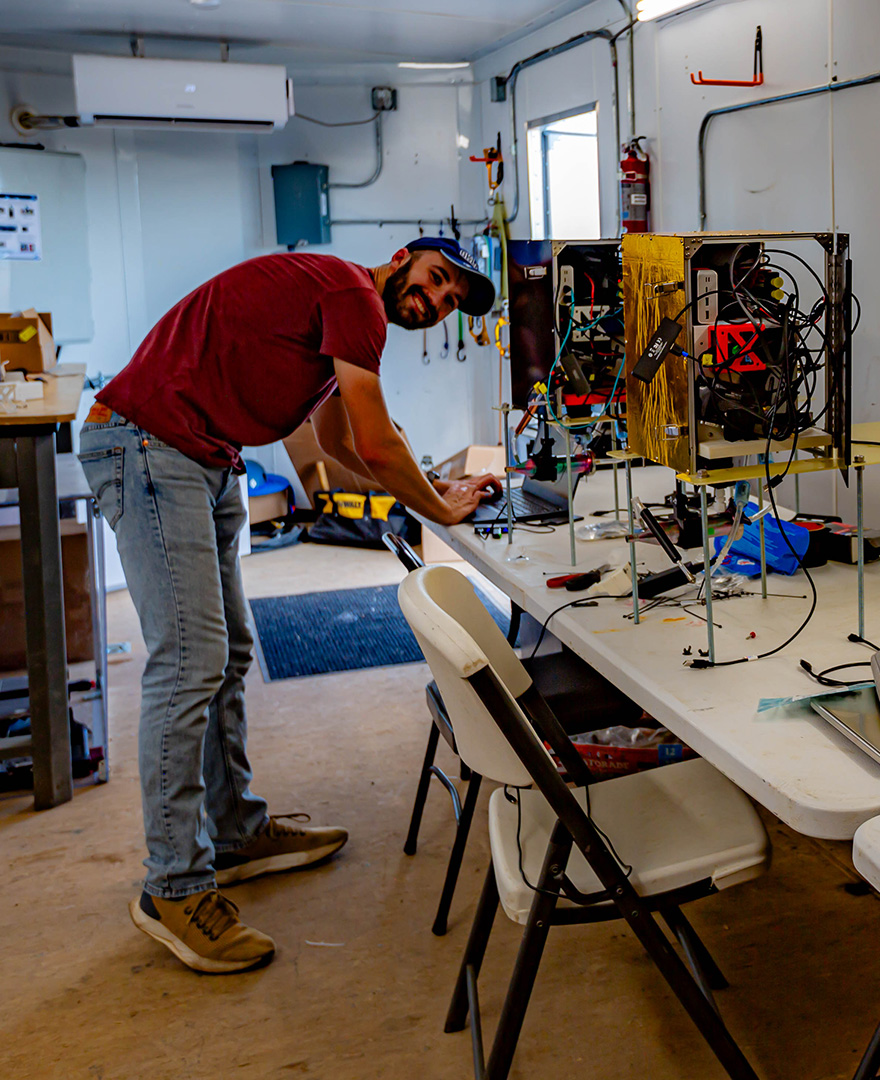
[378, 447]
[332, 430]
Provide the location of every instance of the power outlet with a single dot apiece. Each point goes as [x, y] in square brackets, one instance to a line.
[383, 98]
[707, 297]
[566, 285]
[583, 317]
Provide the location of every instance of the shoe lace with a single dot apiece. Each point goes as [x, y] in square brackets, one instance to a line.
[214, 915]
[274, 829]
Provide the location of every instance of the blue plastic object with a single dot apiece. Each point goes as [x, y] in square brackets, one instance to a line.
[259, 482]
[778, 553]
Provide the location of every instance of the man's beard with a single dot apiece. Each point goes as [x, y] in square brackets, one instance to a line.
[395, 295]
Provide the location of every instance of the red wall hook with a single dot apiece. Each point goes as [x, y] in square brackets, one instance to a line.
[756, 80]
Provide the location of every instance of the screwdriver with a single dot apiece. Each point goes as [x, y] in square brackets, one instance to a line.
[576, 582]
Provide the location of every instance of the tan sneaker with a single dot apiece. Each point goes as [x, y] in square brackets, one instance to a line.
[202, 930]
[278, 847]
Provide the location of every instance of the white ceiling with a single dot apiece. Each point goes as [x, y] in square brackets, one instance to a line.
[282, 31]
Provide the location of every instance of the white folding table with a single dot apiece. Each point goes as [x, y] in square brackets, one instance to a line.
[797, 766]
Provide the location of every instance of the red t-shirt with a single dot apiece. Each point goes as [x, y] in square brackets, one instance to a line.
[248, 356]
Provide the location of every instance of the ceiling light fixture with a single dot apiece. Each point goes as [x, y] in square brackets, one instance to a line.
[205, 3]
[653, 9]
[432, 67]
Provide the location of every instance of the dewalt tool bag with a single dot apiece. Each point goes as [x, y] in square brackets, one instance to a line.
[361, 520]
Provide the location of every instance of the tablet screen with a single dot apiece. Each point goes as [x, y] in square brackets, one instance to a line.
[856, 715]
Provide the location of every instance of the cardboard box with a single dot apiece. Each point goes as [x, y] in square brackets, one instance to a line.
[267, 507]
[471, 461]
[434, 550]
[26, 342]
[77, 596]
[303, 450]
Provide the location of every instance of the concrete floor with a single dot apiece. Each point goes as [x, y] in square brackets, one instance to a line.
[359, 987]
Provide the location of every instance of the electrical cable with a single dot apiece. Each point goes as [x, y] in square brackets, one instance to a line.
[584, 601]
[554, 366]
[821, 677]
[337, 123]
[625, 867]
[706, 663]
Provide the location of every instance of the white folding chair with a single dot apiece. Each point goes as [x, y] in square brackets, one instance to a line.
[866, 859]
[626, 848]
[565, 680]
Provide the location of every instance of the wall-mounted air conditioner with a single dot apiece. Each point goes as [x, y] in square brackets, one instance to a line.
[193, 95]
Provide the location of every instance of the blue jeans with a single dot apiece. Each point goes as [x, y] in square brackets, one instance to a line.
[176, 525]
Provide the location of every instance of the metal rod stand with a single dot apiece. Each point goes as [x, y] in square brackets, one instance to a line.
[763, 539]
[569, 487]
[632, 544]
[860, 538]
[505, 413]
[707, 569]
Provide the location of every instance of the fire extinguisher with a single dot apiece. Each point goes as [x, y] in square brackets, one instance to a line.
[635, 187]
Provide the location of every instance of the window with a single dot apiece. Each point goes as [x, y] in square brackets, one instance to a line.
[563, 163]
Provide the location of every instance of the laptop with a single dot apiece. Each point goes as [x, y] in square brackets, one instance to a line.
[856, 715]
[541, 501]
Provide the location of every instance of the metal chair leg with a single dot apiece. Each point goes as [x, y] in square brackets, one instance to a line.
[690, 955]
[692, 944]
[474, 952]
[528, 958]
[456, 855]
[869, 1066]
[688, 991]
[421, 792]
[476, 1024]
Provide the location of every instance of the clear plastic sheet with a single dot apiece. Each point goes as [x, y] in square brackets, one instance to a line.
[604, 530]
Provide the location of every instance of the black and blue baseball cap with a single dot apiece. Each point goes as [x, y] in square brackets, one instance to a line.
[481, 292]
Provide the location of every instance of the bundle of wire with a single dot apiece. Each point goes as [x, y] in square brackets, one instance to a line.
[764, 387]
[792, 378]
[555, 369]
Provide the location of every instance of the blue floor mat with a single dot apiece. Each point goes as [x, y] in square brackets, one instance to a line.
[344, 630]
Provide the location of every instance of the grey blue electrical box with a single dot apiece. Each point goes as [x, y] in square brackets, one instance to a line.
[302, 204]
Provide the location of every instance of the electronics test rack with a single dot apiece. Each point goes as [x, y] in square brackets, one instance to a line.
[697, 280]
[671, 418]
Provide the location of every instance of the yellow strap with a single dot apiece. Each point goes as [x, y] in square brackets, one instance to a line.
[380, 506]
[502, 349]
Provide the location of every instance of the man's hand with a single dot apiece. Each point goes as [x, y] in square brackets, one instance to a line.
[486, 484]
[464, 496]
